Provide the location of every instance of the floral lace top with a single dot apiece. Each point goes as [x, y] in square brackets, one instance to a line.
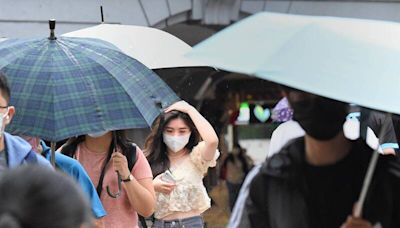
[189, 193]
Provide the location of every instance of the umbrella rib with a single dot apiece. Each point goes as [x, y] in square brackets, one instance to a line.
[66, 49]
[17, 50]
[139, 86]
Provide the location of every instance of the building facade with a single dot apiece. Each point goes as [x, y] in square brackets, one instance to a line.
[22, 18]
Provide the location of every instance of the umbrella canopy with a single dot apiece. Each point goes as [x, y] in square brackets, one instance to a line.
[73, 86]
[352, 60]
[154, 48]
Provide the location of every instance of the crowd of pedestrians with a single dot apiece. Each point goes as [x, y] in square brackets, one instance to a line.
[312, 176]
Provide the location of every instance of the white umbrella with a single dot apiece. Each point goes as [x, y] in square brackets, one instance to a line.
[152, 47]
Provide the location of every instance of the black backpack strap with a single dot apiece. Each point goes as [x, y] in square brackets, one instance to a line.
[99, 187]
[132, 158]
[31, 157]
[142, 221]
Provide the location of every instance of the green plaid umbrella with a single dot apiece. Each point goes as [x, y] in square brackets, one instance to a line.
[72, 86]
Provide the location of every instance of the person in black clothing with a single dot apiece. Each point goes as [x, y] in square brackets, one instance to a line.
[316, 180]
[377, 121]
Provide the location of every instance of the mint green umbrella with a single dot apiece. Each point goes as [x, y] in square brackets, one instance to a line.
[352, 60]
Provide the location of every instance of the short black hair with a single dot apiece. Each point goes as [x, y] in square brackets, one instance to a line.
[4, 88]
[34, 196]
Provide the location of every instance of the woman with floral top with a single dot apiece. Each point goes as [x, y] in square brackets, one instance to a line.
[179, 161]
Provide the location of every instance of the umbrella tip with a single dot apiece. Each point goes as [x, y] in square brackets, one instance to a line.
[52, 26]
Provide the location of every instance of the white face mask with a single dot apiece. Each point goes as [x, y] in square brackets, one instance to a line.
[2, 125]
[176, 143]
[98, 134]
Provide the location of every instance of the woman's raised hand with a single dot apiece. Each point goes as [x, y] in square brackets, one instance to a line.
[181, 106]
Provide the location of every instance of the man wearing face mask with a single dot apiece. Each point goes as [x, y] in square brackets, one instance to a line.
[315, 180]
[14, 151]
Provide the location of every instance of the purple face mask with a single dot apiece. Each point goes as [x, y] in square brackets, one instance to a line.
[282, 111]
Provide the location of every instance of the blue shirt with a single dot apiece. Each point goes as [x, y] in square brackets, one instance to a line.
[73, 168]
[18, 151]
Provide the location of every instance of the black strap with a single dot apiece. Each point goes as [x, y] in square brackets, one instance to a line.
[99, 187]
[132, 158]
[131, 162]
[142, 221]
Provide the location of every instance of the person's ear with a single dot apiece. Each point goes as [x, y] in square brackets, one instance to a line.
[10, 114]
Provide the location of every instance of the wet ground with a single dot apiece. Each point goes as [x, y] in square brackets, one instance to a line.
[218, 215]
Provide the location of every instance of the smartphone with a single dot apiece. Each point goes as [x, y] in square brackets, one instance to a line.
[168, 177]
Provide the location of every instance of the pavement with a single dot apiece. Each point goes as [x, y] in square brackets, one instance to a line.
[218, 215]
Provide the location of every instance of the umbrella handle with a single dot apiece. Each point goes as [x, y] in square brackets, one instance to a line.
[358, 209]
[117, 194]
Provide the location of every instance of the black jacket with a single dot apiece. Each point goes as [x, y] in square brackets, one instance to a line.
[278, 194]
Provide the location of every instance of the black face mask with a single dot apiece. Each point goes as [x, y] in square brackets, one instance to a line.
[321, 118]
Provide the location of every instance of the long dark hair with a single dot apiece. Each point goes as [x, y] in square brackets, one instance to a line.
[123, 144]
[155, 148]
